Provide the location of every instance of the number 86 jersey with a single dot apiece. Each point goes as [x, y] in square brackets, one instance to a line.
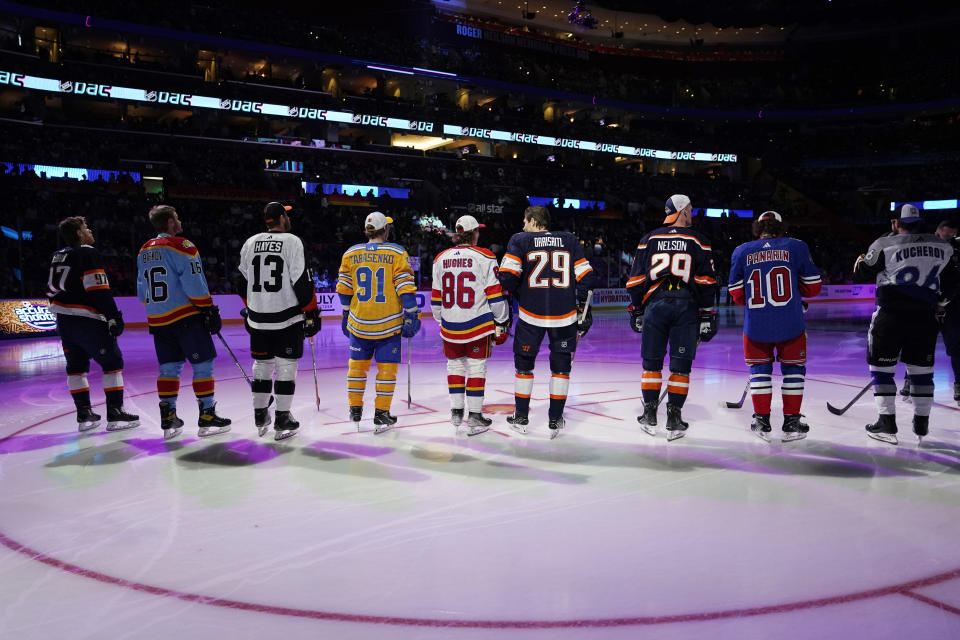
[466, 298]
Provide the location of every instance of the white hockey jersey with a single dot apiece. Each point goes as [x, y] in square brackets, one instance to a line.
[276, 287]
[466, 299]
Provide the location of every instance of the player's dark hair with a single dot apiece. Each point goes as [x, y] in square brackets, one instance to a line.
[911, 227]
[769, 227]
[373, 234]
[540, 215]
[160, 215]
[70, 229]
[953, 224]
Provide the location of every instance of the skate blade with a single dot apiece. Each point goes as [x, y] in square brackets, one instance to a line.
[675, 435]
[284, 434]
[83, 427]
[475, 431]
[206, 432]
[170, 434]
[380, 428]
[554, 434]
[761, 434]
[650, 430]
[262, 430]
[889, 438]
[519, 428]
[122, 426]
[791, 437]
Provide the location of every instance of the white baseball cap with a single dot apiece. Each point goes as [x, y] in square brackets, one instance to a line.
[467, 223]
[377, 221]
[770, 215]
[674, 205]
[909, 213]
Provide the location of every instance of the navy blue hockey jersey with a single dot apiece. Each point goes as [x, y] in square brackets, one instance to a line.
[676, 262]
[78, 285]
[548, 274]
[769, 276]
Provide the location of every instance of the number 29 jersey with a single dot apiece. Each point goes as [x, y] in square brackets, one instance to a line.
[548, 273]
[275, 284]
[769, 276]
[374, 275]
[673, 262]
[170, 281]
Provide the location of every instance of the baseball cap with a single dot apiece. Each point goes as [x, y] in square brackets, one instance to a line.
[770, 215]
[909, 213]
[273, 211]
[377, 221]
[467, 223]
[675, 204]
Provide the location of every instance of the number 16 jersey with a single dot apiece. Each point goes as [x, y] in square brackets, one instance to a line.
[276, 286]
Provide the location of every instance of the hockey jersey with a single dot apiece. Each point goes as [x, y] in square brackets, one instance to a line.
[769, 276]
[466, 298]
[275, 284]
[170, 280]
[674, 262]
[373, 276]
[78, 285]
[548, 274]
[907, 269]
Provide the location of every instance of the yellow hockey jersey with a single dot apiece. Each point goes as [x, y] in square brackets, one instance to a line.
[374, 275]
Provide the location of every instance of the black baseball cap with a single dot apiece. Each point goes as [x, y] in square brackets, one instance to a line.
[273, 211]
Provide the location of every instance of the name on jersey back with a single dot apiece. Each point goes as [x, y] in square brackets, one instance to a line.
[671, 245]
[458, 263]
[917, 252]
[548, 241]
[268, 246]
[378, 258]
[780, 255]
[152, 255]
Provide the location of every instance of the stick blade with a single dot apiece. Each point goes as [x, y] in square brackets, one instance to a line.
[837, 412]
[733, 405]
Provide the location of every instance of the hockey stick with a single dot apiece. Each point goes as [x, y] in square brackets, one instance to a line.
[839, 412]
[409, 358]
[743, 396]
[316, 387]
[235, 361]
[586, 308]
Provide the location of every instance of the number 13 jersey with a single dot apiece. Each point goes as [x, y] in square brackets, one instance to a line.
[276, 285]
[547, 272]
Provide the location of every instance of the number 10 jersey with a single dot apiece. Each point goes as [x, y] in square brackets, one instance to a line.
[276, 286]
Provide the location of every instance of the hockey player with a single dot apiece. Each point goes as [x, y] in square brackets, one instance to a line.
[88, 322]
[469, 306]
[550, 278]
[181, 317]
[672, 285]
[377, 292]
[768, 276]
[907, 269]
[281, 309]
[949, 311]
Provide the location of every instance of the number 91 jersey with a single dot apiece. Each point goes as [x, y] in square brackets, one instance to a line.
[769, 276]
[375, 275]
[277, 286]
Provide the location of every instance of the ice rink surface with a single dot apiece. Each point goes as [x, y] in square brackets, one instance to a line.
[422, 532]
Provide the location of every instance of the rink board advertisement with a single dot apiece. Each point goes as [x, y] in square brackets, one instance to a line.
[26, 318]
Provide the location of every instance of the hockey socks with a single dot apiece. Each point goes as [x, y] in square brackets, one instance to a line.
[386, 381]
[677, 387]
[168, 384]
[79, 389]
[203, 383]
[113, 387]
[761, 388]
[262, 385]
[792, 388]
[650, 387]
[523, 386]
[884, 389]
[456, 381]
[285, 384]
[921, 388]
[559, 384]
[356, 381]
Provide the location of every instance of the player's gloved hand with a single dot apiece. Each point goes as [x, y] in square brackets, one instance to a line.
[343, 324]
[805, 305]
[210, 319]
[411, 323]
[500, 333]
[584, 320]
[243, 314]
[708, 324]
[311, 322]
[636, 318]
[115, 325]
[941, 314]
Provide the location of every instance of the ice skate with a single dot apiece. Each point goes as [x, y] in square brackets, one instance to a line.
[760, 426]
[793, 428]
[261, 418]
[210, 423]
[285, 426]
[383, 421]
[518, 423]
[456, 417]
[884, 429]
[477, 424]
[169, 422]
[648, 421]
[556, 426]
[118, 419]
[676, 427]
[356, 414]
[921, 427]
[87, 419]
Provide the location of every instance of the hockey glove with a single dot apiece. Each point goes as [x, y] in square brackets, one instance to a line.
[636, 318]
[115, 325]
[343, 324]
[500, 333]
[708, 324]
[311, 322]
[243, 314]
[411, 323]
[210, 319]
[941, 314]
[584, 320]
[805, 305]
